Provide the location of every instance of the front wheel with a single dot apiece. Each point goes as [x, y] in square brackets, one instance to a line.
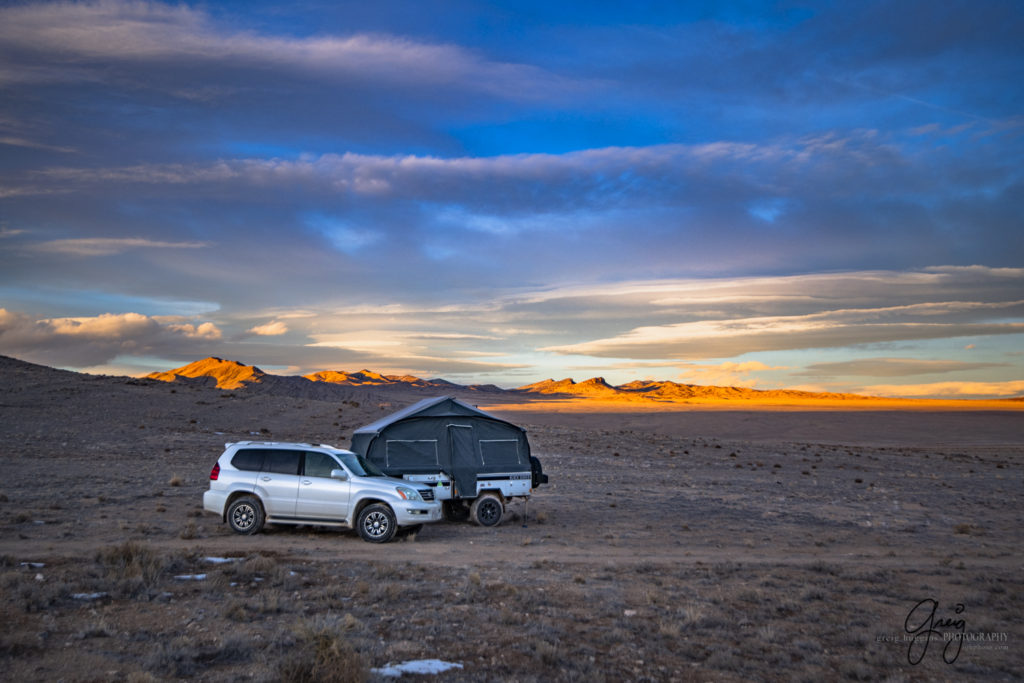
[245, 515]
[486, 510]
[377, 523]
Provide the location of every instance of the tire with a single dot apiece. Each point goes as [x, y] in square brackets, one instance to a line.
[377, 523]
[486, 510]
[245, 515]
[455, 510]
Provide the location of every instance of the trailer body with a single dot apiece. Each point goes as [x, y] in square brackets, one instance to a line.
[470, 458]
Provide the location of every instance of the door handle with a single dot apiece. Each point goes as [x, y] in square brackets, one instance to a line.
[306, 482]
[265, 478]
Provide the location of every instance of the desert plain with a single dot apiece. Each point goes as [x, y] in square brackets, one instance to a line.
[704, 541]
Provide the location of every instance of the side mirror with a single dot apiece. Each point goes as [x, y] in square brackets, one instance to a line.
[340, 475]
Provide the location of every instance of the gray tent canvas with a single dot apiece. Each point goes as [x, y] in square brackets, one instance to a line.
[444, 435]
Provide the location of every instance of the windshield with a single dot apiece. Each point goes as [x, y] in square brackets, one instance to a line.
[358, 466]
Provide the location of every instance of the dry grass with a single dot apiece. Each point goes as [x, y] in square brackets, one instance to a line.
[322, 652]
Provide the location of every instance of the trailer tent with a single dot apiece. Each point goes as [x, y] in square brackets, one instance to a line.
[444, 435]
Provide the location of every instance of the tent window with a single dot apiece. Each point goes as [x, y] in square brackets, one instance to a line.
[418, 453]
[500, 452]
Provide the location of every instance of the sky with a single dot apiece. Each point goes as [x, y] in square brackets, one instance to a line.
[822, 195]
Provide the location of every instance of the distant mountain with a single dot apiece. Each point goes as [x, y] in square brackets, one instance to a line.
[370, 378]
[228, 374]
[326, 384]
[667, 391]
[595, 387]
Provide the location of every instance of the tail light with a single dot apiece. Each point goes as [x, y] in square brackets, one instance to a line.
[215, 472]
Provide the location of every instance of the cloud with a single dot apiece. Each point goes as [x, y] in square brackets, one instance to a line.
[729, 373]
[1006, 389]
[106, 246]
[91, 341]
[271, 329]
[85, 41]
[723, 317]
[893, 367]
[826, 329]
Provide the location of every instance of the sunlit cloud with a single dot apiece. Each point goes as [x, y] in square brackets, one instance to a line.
[733, 337]
[271, 329]
[95, 340]
[893, 367]
[1006, 389]
[729, 373]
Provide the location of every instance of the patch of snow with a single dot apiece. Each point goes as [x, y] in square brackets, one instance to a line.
[34, 565]
[220, 560]
[191, 577]
[89, 596]
[416, 666]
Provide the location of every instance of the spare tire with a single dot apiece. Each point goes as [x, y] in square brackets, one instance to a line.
[537, 472]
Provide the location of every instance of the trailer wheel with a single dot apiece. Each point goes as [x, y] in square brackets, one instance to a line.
[455, 510]
[486, 510]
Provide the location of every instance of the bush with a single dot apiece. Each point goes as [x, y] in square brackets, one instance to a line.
[322, 653]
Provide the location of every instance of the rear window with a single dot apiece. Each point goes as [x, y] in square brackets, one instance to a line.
[248, 459]
[282, 461]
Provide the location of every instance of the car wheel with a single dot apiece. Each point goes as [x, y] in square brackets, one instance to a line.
[487, 510]
[245, 515]
[455, 510]
[377, 523]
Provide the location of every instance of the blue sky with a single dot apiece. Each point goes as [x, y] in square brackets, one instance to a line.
[816, 195]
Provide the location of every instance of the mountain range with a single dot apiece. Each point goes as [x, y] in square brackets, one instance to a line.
[232, 375]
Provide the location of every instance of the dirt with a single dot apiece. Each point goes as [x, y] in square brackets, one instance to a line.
[669, 545]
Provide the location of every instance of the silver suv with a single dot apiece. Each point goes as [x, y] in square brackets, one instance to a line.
[258, 482]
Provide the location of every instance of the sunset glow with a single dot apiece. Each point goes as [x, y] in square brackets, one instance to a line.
[824, 197]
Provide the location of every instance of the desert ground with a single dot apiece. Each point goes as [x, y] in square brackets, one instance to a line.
[724, 542]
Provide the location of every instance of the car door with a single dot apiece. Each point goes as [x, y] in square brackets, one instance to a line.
[278, 483]
[320, 496]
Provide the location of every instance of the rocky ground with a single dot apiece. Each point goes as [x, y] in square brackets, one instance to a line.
[688, 545]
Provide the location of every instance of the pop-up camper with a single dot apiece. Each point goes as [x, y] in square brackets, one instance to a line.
[474, 462]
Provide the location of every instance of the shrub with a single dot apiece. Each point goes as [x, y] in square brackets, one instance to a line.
[322, 653]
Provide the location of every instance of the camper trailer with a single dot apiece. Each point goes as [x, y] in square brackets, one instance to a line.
[473, 461]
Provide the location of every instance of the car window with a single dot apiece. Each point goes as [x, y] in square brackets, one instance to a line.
[248, 459]
[360, 466]
[320, 464]
[282, 461]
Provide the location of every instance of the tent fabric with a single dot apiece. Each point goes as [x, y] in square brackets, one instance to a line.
[444, 434]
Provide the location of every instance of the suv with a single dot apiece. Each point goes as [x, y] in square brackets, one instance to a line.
[254, 483]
